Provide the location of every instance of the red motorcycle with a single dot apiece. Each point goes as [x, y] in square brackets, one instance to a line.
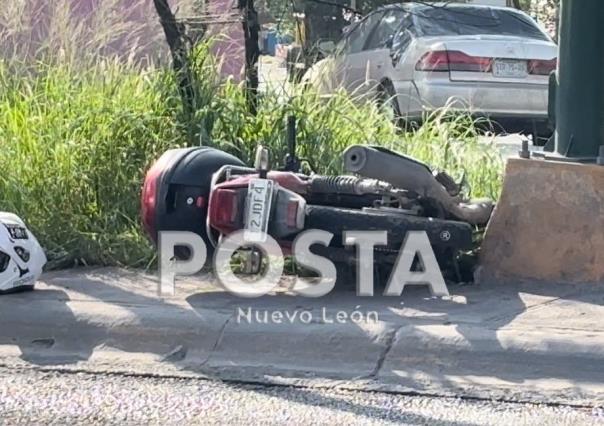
[212, 193]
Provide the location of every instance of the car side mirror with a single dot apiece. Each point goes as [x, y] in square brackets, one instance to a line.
[389, 43]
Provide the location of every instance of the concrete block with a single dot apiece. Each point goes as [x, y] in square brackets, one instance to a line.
[548, 224]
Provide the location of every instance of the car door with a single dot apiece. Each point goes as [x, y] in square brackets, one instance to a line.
[401, 68]
[389, 53]
[354, 60]
[378, 49]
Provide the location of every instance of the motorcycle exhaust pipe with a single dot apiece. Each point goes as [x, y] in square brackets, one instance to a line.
[398, 170]
[407, 173]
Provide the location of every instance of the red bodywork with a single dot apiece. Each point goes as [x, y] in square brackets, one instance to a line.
[150, 190]
[227, 199]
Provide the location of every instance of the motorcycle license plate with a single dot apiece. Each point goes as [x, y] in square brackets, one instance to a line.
[257, 209]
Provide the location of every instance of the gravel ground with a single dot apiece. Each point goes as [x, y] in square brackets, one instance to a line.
[34, 397]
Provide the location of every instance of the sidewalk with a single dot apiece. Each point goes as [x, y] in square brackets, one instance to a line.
[528, 342]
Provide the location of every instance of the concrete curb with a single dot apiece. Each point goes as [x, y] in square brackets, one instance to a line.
[478, 344]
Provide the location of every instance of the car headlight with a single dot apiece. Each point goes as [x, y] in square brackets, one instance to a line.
[4, 260]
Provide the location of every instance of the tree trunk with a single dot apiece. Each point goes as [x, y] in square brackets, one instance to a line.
[174, 33]
[251, 28]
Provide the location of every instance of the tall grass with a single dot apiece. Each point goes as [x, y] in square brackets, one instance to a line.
[74, 146]
[327, 125]
[77, 135]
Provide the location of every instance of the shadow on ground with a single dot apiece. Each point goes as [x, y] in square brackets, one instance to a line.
[419, 344]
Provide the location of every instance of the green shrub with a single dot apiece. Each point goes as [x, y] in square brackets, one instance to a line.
[76, 141]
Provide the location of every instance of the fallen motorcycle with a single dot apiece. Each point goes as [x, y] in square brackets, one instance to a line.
[213, 194]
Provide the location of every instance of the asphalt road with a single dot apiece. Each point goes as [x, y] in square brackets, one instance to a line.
[35, 397]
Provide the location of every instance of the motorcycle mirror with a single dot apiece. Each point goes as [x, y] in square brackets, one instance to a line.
[262, 160]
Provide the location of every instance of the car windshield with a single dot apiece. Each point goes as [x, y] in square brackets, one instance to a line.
[449, 20]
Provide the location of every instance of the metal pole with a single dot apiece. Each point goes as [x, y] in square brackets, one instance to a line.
[580, 87]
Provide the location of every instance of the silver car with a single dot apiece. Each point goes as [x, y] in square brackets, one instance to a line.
[417, 57]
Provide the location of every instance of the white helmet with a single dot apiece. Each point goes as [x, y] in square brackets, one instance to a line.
[21, 256]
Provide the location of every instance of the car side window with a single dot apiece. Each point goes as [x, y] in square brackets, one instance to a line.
[386, 29]
[357, 38]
